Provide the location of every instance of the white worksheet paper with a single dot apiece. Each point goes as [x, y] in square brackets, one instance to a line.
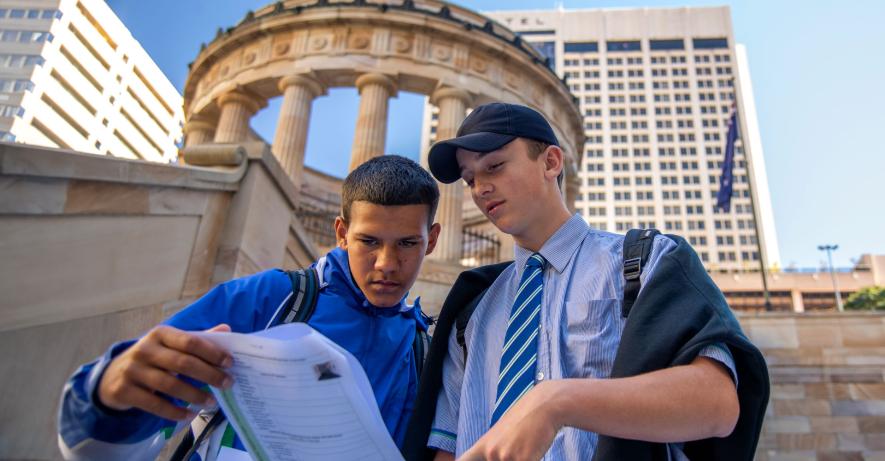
[297, 396]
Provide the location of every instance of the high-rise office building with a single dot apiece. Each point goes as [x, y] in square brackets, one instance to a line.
[72, 76]
[657, 87]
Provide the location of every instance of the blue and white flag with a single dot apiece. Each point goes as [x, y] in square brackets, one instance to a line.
[723, 198]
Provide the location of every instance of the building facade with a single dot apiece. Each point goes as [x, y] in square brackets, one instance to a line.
[72, 76]
[656, 89]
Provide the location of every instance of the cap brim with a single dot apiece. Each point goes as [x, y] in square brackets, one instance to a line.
[442, 161]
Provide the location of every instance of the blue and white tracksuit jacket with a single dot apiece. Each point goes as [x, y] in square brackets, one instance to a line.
[381, 339]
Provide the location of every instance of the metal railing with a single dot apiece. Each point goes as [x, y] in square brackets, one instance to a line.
[479, 248]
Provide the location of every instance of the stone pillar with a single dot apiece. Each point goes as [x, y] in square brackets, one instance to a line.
[452, 104]
[237, 107]
[290, 137]
[198, 131]
[371, 124]
[798, 302]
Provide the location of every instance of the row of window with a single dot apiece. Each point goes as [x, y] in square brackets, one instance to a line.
[616, 46]
[14, 86]
[19, 13]
[25, 36]
[20, 60]
[665, 152]
[7, 110]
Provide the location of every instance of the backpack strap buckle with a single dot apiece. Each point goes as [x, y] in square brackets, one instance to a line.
[632, 268]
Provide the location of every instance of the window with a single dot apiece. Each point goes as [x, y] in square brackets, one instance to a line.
[581, 47]
[710, 43]
[623, 46]
[656, 45]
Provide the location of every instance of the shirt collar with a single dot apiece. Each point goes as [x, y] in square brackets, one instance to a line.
[560, 247]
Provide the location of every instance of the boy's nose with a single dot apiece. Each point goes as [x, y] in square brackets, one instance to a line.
[387, 259]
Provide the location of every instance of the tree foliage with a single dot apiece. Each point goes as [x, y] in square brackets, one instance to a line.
[869, 298]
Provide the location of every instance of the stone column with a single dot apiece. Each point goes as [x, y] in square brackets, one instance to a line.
[798, 302]
[452, 104]
[237, 107]
[371, 124]
[197, 131]
[290, 137]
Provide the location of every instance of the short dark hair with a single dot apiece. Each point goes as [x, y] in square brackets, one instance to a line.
[390, 180]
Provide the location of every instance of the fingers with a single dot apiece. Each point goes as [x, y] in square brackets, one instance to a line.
[191, 344]
[220, 328]
[173, 387]
[472, 454]
[175, 361]
[154, 404]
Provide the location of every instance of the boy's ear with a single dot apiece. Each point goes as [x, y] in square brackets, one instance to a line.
[553, 162]
[432, 238]
[341, 232]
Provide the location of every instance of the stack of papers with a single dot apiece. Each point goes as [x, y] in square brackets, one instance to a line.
[297, 396]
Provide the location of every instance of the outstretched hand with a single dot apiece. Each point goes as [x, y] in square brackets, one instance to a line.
[525, 432]
[156, 363]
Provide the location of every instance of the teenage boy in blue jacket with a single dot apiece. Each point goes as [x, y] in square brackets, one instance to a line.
[112, 408]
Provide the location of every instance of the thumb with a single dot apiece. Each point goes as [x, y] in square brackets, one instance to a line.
[220, 328]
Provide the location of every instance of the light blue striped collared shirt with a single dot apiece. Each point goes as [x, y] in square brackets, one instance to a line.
[581, 327]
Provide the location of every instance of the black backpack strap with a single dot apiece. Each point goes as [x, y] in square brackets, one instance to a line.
[420, 346]
[637, 247]
[189, 445]
[464, 318]
[302, 303]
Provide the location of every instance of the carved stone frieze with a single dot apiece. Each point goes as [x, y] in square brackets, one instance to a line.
[401, 43]
[338, 45]
[442, 52]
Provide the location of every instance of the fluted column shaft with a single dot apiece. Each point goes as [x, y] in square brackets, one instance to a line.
[371, 124]
[452, 104]
[290, 138]
[198, 131]
[237, 108]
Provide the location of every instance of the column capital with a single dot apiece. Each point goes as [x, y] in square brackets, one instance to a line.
[252, 101]
[378, 79]
[445, 92]
[198, 123]
[308, 81]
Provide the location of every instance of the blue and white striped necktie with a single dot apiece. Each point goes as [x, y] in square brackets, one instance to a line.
[520, 352]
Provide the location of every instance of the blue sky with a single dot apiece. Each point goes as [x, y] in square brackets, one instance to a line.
[818, 73]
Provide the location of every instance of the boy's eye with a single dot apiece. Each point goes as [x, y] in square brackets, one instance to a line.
[368, 241]
[495, 166]
[469, 182]
[408, 243]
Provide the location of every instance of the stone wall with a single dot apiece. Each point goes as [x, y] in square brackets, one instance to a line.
[95, 250]
[828, 392]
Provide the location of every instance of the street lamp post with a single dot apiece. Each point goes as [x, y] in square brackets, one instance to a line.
[830, 249]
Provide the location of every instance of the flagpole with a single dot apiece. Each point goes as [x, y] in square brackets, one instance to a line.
[762, 270]
[756, 223]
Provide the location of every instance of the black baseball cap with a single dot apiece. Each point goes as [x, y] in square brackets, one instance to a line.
[489, 127]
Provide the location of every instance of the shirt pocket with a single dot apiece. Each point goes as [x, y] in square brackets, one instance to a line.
[592, 335]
